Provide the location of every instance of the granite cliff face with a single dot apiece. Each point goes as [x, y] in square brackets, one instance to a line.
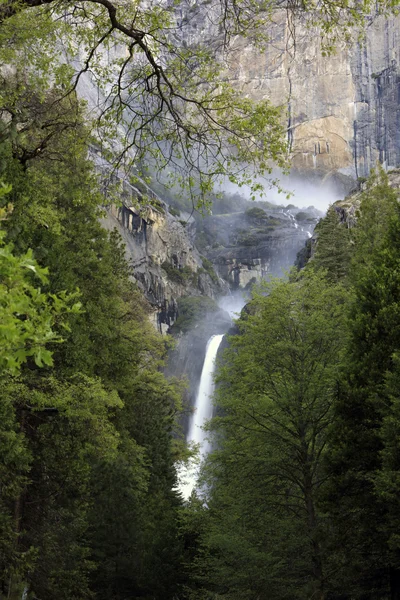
[236, 249]
[342, 111]
[343, 115]
[260, 241]
[161, 252]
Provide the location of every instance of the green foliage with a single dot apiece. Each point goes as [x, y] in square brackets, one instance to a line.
[191, 310]
[184, 275]
[303, 486]
[256, 213]
[275, 392]
[363, 457]
[186, 116]
[66, 425]
[28, 315]
[190, 109]
[247, 239]
[334, 246]
[88, 507]
[98, 413]
[302, 216]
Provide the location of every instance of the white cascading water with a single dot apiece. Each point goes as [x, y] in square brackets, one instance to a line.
[203, 412]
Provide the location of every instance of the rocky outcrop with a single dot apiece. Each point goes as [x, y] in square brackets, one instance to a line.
[348, 211]
[161, 253]
[256, 243]
[237, 249]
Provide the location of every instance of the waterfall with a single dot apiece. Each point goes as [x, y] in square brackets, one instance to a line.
[203, 406]
[203, 412]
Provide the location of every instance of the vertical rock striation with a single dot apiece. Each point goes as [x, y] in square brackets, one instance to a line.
[342, 111]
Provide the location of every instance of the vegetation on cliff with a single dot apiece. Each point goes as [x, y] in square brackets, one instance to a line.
[192, 310]
[302, 488]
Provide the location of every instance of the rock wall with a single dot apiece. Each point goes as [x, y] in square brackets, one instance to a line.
[342, 111]
[257, 243]
[343, 114]
[161, 252]
[376, 71]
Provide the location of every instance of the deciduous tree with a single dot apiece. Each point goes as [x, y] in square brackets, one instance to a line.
[276, 389]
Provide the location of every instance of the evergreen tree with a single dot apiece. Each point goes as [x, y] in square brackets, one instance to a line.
[362, 444]
[96, 424]
[334, 246]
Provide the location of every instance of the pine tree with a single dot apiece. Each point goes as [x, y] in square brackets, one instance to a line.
[100, 413]
[365, 408]
[334, 246]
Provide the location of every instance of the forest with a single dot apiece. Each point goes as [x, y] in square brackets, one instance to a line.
[300, 495]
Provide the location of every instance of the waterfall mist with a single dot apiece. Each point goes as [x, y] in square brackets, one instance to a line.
[303, 192]
[234, 302]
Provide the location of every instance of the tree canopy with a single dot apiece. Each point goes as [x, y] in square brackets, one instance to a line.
[304, 481]
[88, 427]
[275, 397]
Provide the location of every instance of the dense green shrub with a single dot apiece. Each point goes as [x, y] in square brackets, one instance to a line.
[302, 216]
[256, 213]
[248, 239]
[182, 276]
[191, 310]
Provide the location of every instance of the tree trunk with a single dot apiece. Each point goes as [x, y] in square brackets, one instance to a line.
[312, 524]
[394, 574]
[15, 587]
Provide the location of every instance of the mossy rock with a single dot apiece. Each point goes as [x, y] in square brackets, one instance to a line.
[209, 268]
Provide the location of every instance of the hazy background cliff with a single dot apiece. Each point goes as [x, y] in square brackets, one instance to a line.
[342, 110]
